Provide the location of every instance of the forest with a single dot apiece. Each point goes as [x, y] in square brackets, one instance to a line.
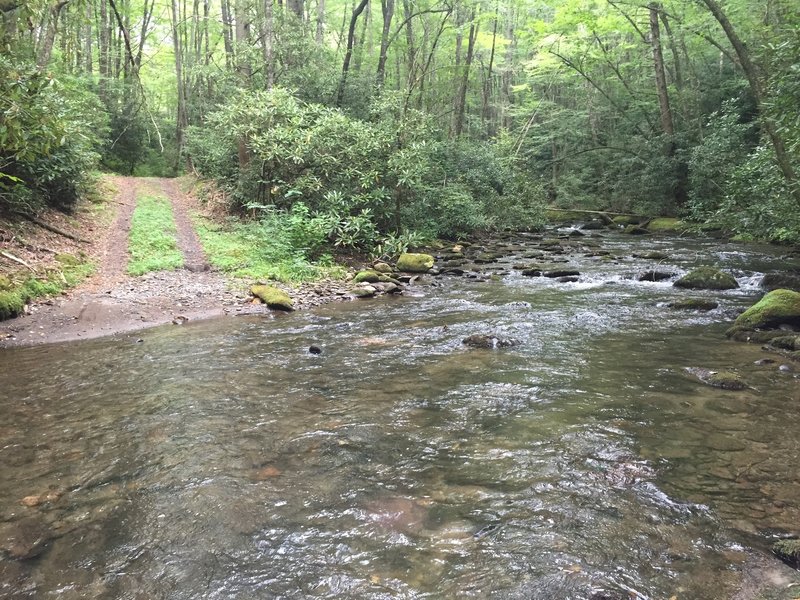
[365, 124]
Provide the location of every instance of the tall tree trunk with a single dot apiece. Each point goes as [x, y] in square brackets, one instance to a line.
[227, 36]
[243, 66]
[487, 110]
[351, 35]
[667, 125]
[387, 8]
[46, 48]
[461, 99]
[410, 42]
[87, 40]
[267, 34]
[181, 120]
[296, 6]
[320, 21]
[751, 73]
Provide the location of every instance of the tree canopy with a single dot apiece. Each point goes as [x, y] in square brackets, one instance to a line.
[440, 116]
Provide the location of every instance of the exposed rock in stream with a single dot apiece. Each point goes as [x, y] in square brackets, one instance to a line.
[487, 341]
[707, 278]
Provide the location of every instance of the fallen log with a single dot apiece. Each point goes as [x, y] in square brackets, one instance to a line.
[53, 228]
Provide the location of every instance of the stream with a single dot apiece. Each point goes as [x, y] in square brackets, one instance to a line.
[221, 459]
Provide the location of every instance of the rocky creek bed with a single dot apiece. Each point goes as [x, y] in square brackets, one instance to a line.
[535, 416]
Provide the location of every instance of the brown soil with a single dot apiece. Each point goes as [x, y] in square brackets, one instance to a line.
[111, 301]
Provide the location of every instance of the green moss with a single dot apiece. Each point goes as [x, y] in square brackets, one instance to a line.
[5, 283]
[665, 224]
[11, 304]
[68, 260]
[564, 216]
[774, 309]
[786, 342]
[272, 297]
[414, 263]
[626, 220]
[368, 276]
[788, 551]
[707, 278]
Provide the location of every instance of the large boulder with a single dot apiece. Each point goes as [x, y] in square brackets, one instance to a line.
[781, 281]
[778, 307]
[707, 278]
[272, 297]
[665, 225]
[414, 263]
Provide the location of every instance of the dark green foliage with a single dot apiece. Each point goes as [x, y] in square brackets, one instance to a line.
[49, 132]
[345, 180]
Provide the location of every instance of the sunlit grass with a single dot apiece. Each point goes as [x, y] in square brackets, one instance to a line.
[152, 243]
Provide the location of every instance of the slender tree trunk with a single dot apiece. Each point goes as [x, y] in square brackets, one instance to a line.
[779, 146]
[351, 35]
[226, 32]
[410, 42]
[320, 21]
[243, 66]
[387, 8]
[461, 99]
[87, 40]
[46, 48]
[667, 125]
[268, 33]
[486, 112]
[181, 120]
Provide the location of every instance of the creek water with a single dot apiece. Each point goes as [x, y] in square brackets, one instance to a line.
[221, 459]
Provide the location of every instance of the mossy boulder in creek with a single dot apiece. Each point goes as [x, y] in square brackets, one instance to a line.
[414, 263]
[368, 276]
[665, 225]
[725, 380]
[382, 267]
[707, 278]
[778, 307]
[788, 551]
[272, 297]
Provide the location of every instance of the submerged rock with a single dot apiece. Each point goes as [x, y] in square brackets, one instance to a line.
[777, 308]
[272, 297]
[694, 304]
[636, 230]
[707, 278]
[480, 340]
[726, 380]
[556, 273]
[655, 276]
[745, 334]
[415, 263]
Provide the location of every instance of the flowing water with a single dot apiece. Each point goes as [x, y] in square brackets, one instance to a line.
[222, 460]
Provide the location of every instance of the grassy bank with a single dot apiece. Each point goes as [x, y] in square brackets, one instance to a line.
[17, 290]
[259, 250]
[153, 244]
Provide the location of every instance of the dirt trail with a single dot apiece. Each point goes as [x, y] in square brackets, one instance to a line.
[113, 302]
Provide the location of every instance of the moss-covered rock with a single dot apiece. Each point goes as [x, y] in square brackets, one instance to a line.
[788, 551]
[564, 216]
[707, 278]
[665, 225]
[272, 297]
[726, 380]
[776, 308]
[414, 263]
[382, 267]
[368, 276]
[786, 342]
[654, 255]
[694, 304]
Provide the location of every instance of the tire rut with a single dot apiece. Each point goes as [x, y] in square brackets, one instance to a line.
[194, 258]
